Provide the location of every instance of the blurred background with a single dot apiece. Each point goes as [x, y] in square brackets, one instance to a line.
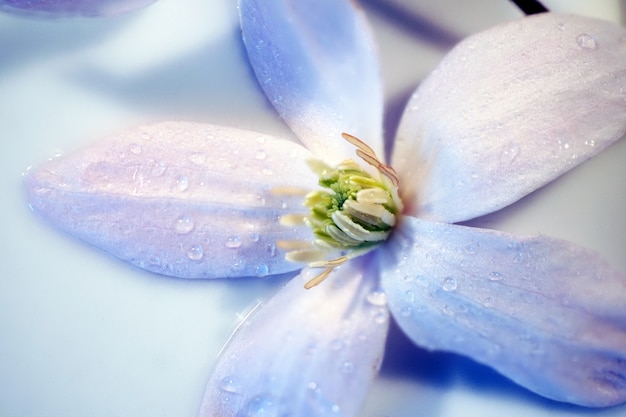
[83, 334]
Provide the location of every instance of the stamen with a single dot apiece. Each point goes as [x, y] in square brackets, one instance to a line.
[352, 212]
[289, 191]
[317, 279]
[293, 245]
[329, 265]
[292, 219]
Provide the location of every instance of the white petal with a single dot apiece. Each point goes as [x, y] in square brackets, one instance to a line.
[88, 8]
[182, 199]
[509, 110]
[317, 64]
[547, 314]
[304, 352]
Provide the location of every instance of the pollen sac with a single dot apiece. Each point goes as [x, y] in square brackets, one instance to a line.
[353, 210]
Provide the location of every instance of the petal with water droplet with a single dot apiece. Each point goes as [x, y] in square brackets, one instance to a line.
[87, 8]
[304, 352]
[317, 64]
[546, 313]
[146, 196]
[509, 110]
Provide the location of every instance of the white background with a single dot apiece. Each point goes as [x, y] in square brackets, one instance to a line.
[83, 334]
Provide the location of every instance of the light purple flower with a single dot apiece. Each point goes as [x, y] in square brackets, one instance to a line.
[507, 111]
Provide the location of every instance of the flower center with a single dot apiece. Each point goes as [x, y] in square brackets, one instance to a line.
[353, 212]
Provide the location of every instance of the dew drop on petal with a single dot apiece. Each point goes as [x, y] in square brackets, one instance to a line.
[495, 276]
[184, 224]
[406, 312]
[233, 242]
[182, 183]
[347, 367]
[261, 270]
[586, 41]
[260, 406]
[230, 384]
[377, 297]
[195, 252]
[197, 158]
[336, 344]
[254, 237]
[449, 284]
[260, 154]
[135, 148]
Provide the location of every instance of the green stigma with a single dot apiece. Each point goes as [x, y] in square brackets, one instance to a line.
[353, 210]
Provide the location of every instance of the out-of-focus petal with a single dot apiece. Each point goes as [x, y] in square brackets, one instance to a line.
[58, 8]
[547, 314]
[182, 199]
[308, 353]
[509, 110]
[316, 62]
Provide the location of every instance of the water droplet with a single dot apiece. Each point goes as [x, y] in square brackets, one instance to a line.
[184, 224]
[230, 385]
[260, 406]
[449, 284]
[134, 148]
[347, 367]
[261, 270]
[380, 317]
[254, 237]
[377, 297]
[238, 265]
[260, 139]
[271, 250]
[158, 169]
[406, 312]
[260, 154]
[312, 385]
[410, 296]
[586, 41]
[182, 183]
[511, 152]
[336, 344]
[590, 143]
[197, 158]
[267, 171]
[471, 248]
[195, 253]
[560, 26]
[233, 242]
[495, 276]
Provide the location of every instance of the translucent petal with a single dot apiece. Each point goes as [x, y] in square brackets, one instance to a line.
[509, 110]
[317, 65]
[182, 199]
[547, 314]
[305, 352]
[57, 8]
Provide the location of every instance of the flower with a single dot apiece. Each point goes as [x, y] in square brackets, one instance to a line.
[462, 151]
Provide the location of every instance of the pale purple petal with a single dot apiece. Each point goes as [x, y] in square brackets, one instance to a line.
[546, 313]
[182, 199]
[87, 8]
[305, 352]
[317, 65]
[509, 110]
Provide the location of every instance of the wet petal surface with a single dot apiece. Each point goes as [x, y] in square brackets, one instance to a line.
[304, 352]
[544, 312]
[317, 65]
[58, 8]
[182, 199]
[509, 110]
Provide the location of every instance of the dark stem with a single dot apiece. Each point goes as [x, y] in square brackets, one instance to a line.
[530, 6]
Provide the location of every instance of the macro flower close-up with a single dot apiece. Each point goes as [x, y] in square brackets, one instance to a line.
[364, 229]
